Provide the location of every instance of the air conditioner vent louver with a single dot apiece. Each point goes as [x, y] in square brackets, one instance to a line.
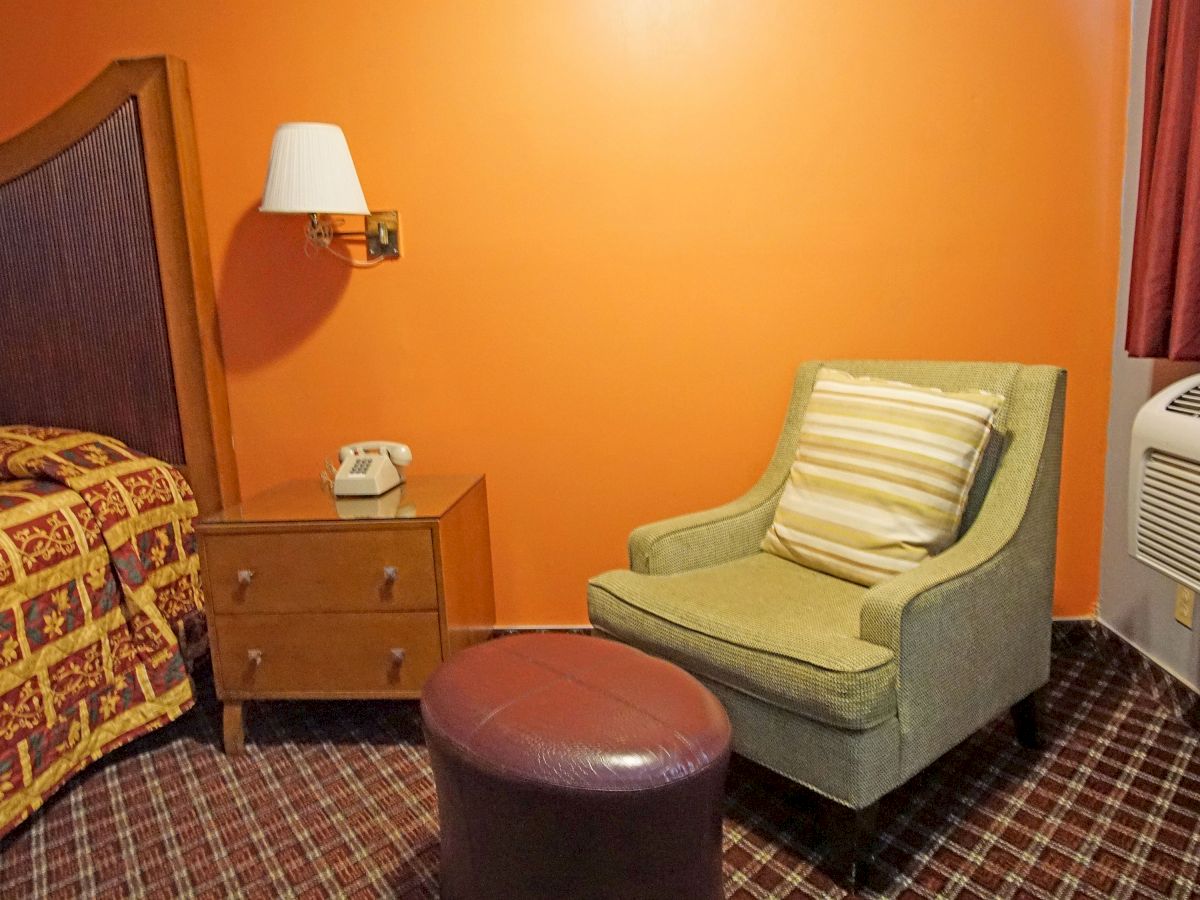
[1168, 529]
[1164, 483]
[1187, 403]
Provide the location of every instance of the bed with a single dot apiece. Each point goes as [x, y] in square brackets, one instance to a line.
[114, 425]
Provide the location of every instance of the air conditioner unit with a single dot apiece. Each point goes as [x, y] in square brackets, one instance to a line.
[1164, 483]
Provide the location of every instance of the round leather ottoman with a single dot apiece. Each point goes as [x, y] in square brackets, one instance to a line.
[575, 767]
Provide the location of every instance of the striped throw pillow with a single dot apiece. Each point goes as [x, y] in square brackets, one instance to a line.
[881, 475]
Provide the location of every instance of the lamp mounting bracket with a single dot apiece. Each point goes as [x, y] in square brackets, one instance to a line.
[383, 234]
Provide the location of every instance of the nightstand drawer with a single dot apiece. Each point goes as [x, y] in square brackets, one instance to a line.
[319, 571]
[349, 654]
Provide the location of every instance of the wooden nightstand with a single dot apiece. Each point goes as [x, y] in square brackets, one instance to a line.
[312, 596]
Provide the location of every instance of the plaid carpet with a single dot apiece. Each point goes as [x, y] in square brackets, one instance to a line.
[337, 800]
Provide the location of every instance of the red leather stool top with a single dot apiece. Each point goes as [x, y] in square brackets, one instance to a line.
[576, 712]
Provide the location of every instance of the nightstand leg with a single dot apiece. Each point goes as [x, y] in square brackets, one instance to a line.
[234, 728]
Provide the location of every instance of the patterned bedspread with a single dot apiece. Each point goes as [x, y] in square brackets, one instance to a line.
[98, 575]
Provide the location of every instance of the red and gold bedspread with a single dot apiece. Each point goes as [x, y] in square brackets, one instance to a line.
[98, 572]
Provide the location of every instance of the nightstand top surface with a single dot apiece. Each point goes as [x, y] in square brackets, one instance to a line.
[421, 497]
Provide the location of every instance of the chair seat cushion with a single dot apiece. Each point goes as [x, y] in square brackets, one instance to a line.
[761, 625]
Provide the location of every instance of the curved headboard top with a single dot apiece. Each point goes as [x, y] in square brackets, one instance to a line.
[106, 291]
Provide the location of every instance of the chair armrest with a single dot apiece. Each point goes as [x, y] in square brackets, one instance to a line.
[969, 645]
[943, 582]
[705, 538]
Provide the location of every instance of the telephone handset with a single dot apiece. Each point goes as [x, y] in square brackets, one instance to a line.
[370, 468]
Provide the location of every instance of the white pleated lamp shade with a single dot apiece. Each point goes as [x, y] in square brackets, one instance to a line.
[311, 172]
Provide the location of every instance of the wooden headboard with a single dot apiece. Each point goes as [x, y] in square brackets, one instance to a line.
[107, 319]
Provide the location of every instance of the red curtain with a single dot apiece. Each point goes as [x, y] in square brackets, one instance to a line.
[1164, 293]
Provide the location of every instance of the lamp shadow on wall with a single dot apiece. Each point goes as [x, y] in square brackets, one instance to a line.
[270, 295]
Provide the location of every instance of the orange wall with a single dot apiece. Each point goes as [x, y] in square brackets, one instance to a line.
[626, 222]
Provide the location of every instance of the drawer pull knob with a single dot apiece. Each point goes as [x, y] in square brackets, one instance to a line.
[389, 574]
[255, 657]
[245, 576]
[398, 655]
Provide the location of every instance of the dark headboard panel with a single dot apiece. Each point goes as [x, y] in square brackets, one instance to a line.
[107, 320]
[84, 328]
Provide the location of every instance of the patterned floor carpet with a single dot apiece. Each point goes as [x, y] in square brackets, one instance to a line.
[337, 800]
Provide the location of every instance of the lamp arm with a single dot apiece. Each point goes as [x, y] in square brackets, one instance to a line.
[320, 234]
[380, 230]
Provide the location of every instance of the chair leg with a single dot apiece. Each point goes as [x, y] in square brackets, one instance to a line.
[1025, 721]
[848, 833]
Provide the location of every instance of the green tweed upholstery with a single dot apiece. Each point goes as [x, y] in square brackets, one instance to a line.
[727, 623]
[853, 690]
[852, 767]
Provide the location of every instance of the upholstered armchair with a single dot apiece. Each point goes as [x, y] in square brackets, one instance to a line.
[852, 690]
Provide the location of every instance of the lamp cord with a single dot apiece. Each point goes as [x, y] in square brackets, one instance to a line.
[319, 236]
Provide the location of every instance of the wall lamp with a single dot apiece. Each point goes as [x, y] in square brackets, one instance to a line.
[311, 173]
